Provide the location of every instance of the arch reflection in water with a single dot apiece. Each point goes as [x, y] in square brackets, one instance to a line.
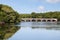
[45, 25]
[47, 28]
[6, 31]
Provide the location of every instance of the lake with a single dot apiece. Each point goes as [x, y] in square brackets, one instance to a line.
[37, 31]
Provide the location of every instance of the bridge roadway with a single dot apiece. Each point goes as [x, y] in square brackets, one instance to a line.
[39, 20]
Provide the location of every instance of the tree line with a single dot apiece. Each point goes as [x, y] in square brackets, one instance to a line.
[55, 14]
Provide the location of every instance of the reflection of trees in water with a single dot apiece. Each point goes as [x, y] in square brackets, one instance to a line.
[49, 28]
[45, 24]
[58, 23]
[7, 31]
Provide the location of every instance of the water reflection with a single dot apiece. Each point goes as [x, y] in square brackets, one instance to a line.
[39, 24]
[37, 31]
[7, 30]
[47, 28]
[46, 25]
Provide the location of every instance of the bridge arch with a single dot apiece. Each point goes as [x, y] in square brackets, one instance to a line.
[43, 20]
[33, 20]
[38, 20]
[48, 20]
[53, 20]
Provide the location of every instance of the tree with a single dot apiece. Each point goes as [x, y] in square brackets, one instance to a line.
[8, 15]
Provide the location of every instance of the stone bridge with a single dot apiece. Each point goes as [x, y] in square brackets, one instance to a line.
[39, 20]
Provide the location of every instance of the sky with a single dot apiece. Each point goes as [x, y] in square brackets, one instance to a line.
[28, 6]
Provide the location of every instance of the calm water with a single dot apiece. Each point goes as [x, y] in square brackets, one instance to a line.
[37, 31]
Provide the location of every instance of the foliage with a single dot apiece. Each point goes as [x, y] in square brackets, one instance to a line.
[55, 14]
[7, 14]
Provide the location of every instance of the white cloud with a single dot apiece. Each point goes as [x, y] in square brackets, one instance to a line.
[53, 1]
[41, 8]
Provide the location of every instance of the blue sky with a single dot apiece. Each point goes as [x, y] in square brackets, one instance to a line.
[28, 6]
